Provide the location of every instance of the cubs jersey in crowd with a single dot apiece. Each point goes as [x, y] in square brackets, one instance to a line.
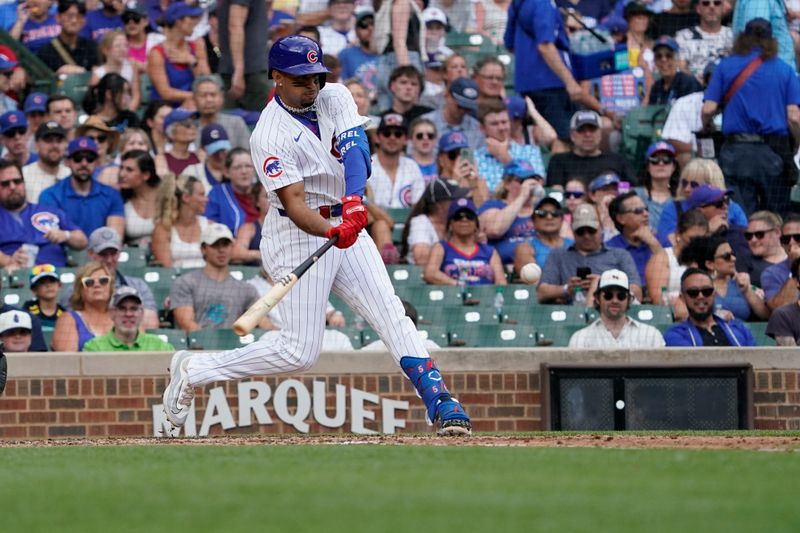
[30, 227]
[479, 271]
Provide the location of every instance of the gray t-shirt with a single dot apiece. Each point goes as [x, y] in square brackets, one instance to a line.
[216, 304]
[563, 263]
[785, 322]
[256, 32]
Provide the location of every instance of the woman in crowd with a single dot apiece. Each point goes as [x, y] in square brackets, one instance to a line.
[247, 246]
[173, 64]
[180, 222]
[602, 190]
[135, 23]
[111, 100]
[180, 127]
[114, 52]
[455, 67]
[456, 163]
[89, 316]
[574, 195]
[139, 183]
[106, 139]
[153, 124]
[231, 203]
[698, 172]
[660, 180]
[734, 293]
[423, 140]
[461, 256]
[640, 46]
[427, 221]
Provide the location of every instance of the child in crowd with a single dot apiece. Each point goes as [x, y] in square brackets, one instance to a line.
[45, 285]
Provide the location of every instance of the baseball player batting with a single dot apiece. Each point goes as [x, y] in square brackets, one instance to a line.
[312, 156]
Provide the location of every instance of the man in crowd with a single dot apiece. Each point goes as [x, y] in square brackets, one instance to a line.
[396, 179]
[208, 97]
[548, 216]
[360, 61]
[14, 128]
[16, 331]
[614, 328]
[777, 13]
[62, 109]
[460, 98]
[703, 327]
[45, 230]
[243, 34]
[759, 113]
[211, 298]
[215, 142]
[35, 109]
[405, 83]
[672, 83]
[763, 237]
[88, 203]
[676, 18]
[563, 273]
[500, 149]
[103, 19]
[336, 35]
[631, 218]
[69, 53]
[586, 160]
[779, 289]
[708, 41]
[784, 322]
[51, 144]
[713, 204]
[126, 335]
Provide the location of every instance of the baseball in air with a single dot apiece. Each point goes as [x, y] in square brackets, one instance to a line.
[530, 273]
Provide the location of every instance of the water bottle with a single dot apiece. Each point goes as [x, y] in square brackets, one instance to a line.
[580, 298]
[462, 282]
[499, 300]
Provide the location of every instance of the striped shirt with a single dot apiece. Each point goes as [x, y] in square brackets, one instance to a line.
[634, 334]
[492, 170]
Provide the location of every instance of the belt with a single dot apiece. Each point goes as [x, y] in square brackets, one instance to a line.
[325, 211]
[745, 138]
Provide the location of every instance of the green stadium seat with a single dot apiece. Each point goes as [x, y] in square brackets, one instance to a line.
[758, 329]
[217, 339]
[77, 258]
[544, 314]
[556, 335]
[131, 257]
[513, 294]
[244, 272]
[160, 280]
[74, 86]
[455, 315]
[354, 334]
[47, 333]
[651, 314]
[402, 275]
[640, 127]
[16, 296]
[175, 337]
[437, 334]
[492, 336]
[340, 305]
[430, 294]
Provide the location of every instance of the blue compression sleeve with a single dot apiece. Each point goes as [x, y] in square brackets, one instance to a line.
[354, 147]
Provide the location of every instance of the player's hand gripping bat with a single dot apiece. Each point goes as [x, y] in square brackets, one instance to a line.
[250, 319]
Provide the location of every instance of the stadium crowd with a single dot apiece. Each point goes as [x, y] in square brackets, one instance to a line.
[501, 136]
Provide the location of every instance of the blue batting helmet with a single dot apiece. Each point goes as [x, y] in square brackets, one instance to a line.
[297, 55]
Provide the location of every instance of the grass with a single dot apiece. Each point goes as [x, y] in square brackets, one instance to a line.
[396, 488]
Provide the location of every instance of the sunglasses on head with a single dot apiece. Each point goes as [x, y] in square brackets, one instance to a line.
[547, 213]
[393, 132]
[580, 232]
[719, 204]
[424, 135]
[80, 158]
[727, 256]
[15, 132]
[660, 160]
[610, 294]
[786, 239]
[694, 293]
[41, 269]
[102, 281]
[98, 138]
[748, 235]
[13, 181]
[687, 183]
[637, 210]
[573, 194]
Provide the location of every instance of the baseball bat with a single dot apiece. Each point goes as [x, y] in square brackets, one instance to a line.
[250, 319]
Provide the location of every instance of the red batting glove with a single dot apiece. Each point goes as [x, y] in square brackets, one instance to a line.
[347, 232]
[353, 210]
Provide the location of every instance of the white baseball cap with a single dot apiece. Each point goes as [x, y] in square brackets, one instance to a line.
[434, 14]
[614, 278]
[215, 232]
[14, 320]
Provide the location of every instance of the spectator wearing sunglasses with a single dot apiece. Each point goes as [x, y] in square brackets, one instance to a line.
[500, 149]
[614, 328]
[659, 180]
[779, 289]
[106, 139]
[574, 195]
[784, 323]
[673, 83]
[548, 218]
[631, 216]
[14, 129]
[135, 22]
[423, 148]
[560, 274]
[89, 316]
[396, 179]
[708, 41]
[714, 204]
[763, 236]
[87, 202]
[703, 327]
[45, 286]
[360, 60]
[46, 228]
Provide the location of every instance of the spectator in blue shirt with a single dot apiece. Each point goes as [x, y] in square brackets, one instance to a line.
[35, 25]
[548, 219]
[44, 229]
[360, 61]
[704, 328]
[99, 21]
[775, 280]
[14, 129]
[631, 218]
[757, 156]
[87, 202]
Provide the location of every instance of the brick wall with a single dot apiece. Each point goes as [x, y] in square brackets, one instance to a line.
[497, 401]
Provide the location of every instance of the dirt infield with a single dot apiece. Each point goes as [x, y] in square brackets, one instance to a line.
[616, 440]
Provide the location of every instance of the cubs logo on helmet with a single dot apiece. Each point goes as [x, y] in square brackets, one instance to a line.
[272, 167]
[297, 55]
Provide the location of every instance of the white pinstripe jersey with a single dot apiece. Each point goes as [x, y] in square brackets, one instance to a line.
[285, 151]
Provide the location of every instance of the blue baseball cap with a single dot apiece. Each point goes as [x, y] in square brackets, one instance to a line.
[521, 170]
[465, 92]
[660, 146]
[13, 120]
[453, 140]
[706, 194]
[759, 27]
[461, 204]
[35, 102]
[81, 144]
[178, 10]
[177, 115]
[615, 24]
[669, 42]
[517, 108]
[214, 138]
[604, 180]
